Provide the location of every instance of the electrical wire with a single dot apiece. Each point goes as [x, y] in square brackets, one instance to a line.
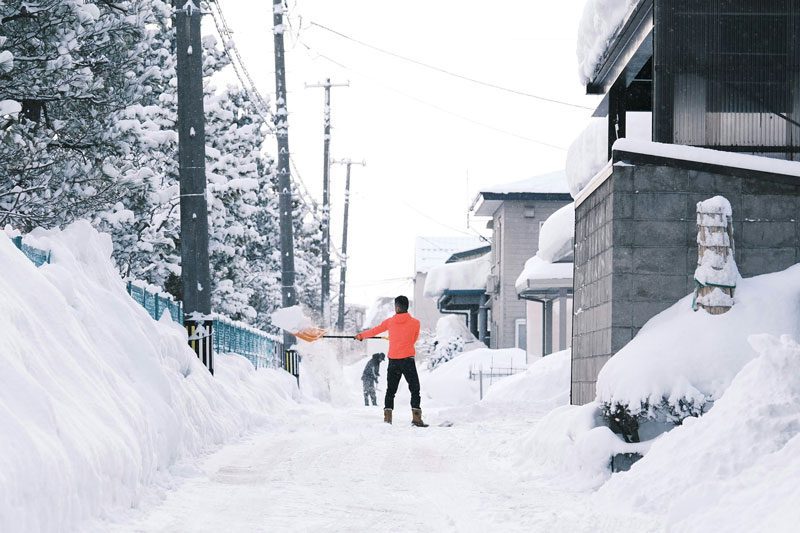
[429, 104]
[447, 72]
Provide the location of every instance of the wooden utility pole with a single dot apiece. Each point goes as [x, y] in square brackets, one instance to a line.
[325, 304]
[288, 296]
[195, 274]
[343, 267]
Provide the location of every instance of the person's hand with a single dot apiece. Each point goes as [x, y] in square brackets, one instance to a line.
[357, 337]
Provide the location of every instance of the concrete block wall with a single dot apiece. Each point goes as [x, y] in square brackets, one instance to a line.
[636, 248]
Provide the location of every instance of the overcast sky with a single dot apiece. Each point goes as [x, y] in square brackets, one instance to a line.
[430, 140]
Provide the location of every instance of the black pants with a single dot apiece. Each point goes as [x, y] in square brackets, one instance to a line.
[369, 392]
[401, 368]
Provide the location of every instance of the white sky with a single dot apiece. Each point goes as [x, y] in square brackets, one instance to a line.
[424, 165]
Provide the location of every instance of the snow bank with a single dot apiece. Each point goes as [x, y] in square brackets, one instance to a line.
[97, 400]
[588, 153]
[462, 275]
[690, 358]
[450, 326]
[544, 385]
[600, 22]
[553, 182]
[735, 468]
[448, 385]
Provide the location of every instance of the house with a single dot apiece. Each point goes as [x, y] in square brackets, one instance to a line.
[459, 287]
[546, 285]
[517, 211]
[431, 252]
[722, 81]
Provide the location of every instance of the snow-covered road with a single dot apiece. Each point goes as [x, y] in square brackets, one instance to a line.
[342, 469]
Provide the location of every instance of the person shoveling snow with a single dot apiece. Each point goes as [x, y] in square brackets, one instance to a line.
[370, 376]
[403, 334]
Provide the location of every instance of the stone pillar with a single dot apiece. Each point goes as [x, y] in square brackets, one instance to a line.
[716, 273]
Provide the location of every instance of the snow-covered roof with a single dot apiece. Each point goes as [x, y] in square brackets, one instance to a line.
[588, 153]
[432, 251]
[552, 182]
[601, 21]
[490, 198]
[551, 267]
[460, 276]
[556, 235]
[710, 157]
[539, 274]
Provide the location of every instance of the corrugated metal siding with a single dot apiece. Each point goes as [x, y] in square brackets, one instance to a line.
[725, 72]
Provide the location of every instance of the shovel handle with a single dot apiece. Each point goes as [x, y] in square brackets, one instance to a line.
[350, 337]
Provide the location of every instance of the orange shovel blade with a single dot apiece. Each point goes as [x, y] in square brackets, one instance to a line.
[310, 334]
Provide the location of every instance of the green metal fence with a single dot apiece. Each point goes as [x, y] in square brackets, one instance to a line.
[155, 304]
[38, 257]
[262, 349]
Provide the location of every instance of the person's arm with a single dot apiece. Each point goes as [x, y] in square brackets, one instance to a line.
[380, 328]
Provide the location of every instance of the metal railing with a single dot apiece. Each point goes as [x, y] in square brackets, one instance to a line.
[38, 257]
[156, 304]
[480, 374]
[262, 349]
[229, 336]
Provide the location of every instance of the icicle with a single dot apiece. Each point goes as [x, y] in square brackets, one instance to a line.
[191, 132]
[189, 50]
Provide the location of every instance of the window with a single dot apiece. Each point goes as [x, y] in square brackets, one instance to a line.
[529, 212]
[521, 334]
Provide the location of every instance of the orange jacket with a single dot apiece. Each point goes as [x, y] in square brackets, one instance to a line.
[403, 334]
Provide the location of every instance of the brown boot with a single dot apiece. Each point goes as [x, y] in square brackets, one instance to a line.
[387, 416]
[416, 418]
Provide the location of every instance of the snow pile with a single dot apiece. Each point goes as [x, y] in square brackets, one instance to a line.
[688, 359]
[588, 153]
[601, 20]
[452, 338]
[291, 319]
[735, 468]
[462, 275]
[544, 386]
[572, 445]
[97, 400]
[449, 384]
[553, 182]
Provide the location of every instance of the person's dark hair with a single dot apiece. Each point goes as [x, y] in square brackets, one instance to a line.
[379, 356]
[401, 303]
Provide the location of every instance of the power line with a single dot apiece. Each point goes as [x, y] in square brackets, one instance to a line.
[432, 105]
[447, 72]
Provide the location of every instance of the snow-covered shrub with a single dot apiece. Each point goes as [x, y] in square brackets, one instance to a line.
[445, 351]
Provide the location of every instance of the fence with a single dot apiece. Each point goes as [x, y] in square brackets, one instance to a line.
[494, 372]
[155, 304]
[38, 257]
[262, 349]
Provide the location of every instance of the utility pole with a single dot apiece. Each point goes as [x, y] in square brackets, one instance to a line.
[288, 297]
[195, 275]
[343, 268]
[326, 210]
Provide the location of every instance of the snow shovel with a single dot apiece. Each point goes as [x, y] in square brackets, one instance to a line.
[313, 334]
[293, 320]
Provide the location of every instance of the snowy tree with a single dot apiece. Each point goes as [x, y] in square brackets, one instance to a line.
[72, 63]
